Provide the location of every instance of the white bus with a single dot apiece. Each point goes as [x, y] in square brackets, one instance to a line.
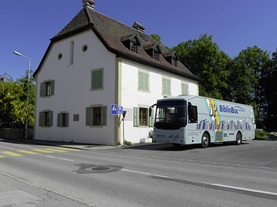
[186, 120]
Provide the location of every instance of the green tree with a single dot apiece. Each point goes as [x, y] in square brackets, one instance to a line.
[205, 60]
[270, 94]
[13, 100]
[247, 80]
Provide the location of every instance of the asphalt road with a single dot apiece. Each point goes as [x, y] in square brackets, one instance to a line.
[142, 175]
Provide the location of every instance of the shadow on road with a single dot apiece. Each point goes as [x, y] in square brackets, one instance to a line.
[170, 147]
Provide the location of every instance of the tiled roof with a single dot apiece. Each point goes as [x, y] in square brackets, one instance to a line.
[112, 34]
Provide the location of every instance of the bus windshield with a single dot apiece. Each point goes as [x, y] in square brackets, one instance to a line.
[171, 114]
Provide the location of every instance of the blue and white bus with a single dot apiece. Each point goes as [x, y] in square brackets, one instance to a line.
[186, 120]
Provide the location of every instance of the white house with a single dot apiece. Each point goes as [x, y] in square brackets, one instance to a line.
[95, 62]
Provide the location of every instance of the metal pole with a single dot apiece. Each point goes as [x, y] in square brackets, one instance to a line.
[28, 92]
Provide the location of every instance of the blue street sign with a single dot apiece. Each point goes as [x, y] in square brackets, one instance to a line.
[114, 109]
[120, 109]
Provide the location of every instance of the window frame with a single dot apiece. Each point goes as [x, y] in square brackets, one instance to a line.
[184, 88]
[138, 119]
[166, 86]
[47, 88]
[91, 121]
[63, 119]
[97, 84]
[143, 81]
[46, 118]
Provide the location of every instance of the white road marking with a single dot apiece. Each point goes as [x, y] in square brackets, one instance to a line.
[210, 184]
[144, 173]
[244, 189]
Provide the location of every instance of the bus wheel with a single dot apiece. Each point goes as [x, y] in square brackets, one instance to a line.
[205, 140]
[238, 138]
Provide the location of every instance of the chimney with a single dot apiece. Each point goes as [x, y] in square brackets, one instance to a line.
[138, 27]
[89, 4]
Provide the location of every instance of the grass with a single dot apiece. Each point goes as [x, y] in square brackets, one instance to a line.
[261, 135]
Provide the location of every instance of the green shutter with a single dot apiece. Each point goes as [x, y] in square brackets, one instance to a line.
[41, 119]
[136, 116]
[146, 81]
[103, 115]
[140, 81]
[67, 119]
[50, 118]
[143, 82]
[52, 87]
[59, 120]
[166, 87]
[42, 89]
[184, 89]
[151, 118]
[88, 116]
[96, 79]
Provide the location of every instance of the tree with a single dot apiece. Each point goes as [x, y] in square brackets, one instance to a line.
[13, 100]
[270, 90]
[247, 80]
[205, 60]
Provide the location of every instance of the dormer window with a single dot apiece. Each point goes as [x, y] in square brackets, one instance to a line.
[134, 46]
[131, 42]
[156, 54]
[172, 58]
[153, 50]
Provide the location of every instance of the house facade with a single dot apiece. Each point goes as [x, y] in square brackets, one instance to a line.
[96, 64]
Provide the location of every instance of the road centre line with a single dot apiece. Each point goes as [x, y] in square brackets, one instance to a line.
[145, 173]
[203, 184]
[244, 189]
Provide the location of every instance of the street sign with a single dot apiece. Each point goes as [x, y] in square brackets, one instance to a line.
[114, 109]
[120, 109]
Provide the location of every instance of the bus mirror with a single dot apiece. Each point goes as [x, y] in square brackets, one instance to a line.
[124, 114]
[150, 111]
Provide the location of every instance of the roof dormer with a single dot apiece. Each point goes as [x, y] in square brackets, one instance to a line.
[153, 50]
[132, 42]
[172, 58]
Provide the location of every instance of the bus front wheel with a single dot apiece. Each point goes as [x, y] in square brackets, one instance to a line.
[205, 140]
[238, 139]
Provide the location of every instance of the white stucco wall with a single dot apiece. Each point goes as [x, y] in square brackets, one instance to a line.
[73, 94]
[72, 90]
[132, 97]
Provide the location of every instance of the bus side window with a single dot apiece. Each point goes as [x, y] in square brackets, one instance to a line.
[192, 112]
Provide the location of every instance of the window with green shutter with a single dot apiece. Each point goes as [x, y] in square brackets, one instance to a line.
[46, 118]
[47, 88]
[63, 119]
[143, 81]
[166, 87]
[96, 116]
[141, 117]
[97, 79]
[185, 89]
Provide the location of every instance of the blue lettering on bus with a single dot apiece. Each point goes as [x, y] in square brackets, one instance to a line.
[231, 110]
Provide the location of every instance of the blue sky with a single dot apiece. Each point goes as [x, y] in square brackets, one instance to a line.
[27, 26]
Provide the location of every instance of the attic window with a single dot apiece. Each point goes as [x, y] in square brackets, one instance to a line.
[172, 58]
[60, 55]
[131, 42]
[156, 54]
[153, 50]
[85, 48]
[134, 47]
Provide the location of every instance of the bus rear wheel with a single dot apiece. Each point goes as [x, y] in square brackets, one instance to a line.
[205, 141]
